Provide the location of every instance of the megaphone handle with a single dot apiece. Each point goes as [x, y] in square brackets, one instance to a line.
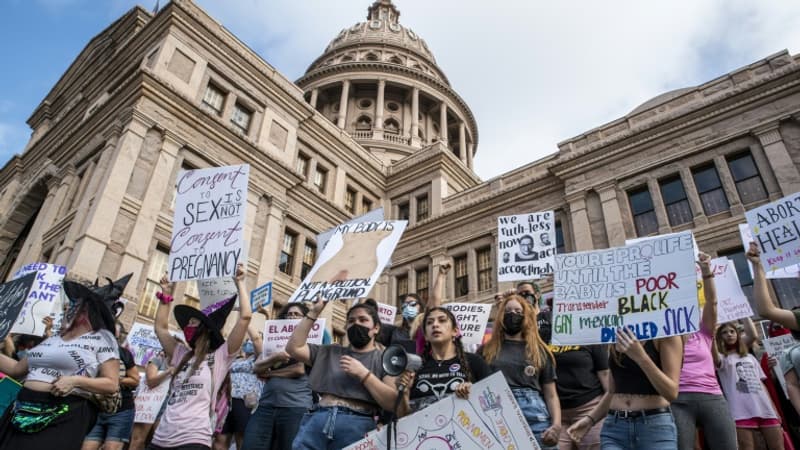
[392, 426]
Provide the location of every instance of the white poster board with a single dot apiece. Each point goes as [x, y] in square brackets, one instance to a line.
[376, 215]
[43, 299]
[732, 304]
[787, 272]
[143, 342]
[278, 332]
[208, 227]
[775, 227]
[526, 246]
[489, 419]
[349, 266]
[472, 319]
[649, 287]
[777, 346]
[387, 313]
[212, 290]
[148, 401]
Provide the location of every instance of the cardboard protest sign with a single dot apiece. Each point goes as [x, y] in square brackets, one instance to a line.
[787, 272]
[12, 297]
[148, 401]
[387, 313]
[143, 342]
[42, 299]
[213, 290]
[208, 228]
[777, 346]
[376, 215]
[278, 332]
[649, 287]
[526, 246]
[351, 263]
[775, 228]
[489, 418]
[261, 296]
[472, 319]
[732, 304]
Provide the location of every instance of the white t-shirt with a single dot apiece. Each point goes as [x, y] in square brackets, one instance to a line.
[187, 419]
[82, 355]
[740, 378]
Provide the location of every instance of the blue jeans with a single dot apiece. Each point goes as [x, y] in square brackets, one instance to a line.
[113, 427]
[535, 411]
[272, 427]
[332, 428]
[656, 432]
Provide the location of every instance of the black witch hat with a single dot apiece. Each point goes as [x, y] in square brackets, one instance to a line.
[111, 293]
[102, 301]
[213, 317]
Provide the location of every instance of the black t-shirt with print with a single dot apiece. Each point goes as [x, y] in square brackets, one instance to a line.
[519, 373]
[437, 379]
[577, 367]
[126, 362]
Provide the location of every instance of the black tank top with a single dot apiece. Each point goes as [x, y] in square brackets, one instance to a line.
[629, 377]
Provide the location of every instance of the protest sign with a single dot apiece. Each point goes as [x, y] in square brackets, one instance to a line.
[261, 296]
[472, 319]
[649, 287]
[42, 297]
[387, 313]
[777, 346]
[526, 246]
[376, 215]
[732, 304]
[352, 261]
[148, 401]
[143, 342]
[9, 389]
[787, 272]
[775, 228]
[12, 297]
[278, 332]
[489, 418]
[213, 290]
[208, 227]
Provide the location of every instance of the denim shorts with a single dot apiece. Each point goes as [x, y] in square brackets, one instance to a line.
[654, 432]
[535, 411]
[334, 427]
[113, 427]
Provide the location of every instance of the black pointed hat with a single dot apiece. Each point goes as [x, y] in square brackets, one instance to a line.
[213, 317]
[111, 293]
[78, 292]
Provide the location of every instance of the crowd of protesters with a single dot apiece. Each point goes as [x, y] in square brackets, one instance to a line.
[712, 389]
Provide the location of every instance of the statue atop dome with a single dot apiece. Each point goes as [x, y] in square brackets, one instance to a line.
[383, 10]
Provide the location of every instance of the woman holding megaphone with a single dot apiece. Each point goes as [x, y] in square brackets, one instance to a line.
[352, 384]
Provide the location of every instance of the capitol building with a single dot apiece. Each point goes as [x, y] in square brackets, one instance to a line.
[373, 122]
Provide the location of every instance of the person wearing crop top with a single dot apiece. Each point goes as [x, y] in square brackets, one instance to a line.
[644, 380]
[352, 384]
[700, 400]
[53, 409]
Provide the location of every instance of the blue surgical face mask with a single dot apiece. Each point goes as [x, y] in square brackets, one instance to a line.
[249, 348]
[410, 312]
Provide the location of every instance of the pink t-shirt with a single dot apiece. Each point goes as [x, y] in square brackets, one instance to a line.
[741, 378]
[698, 374]
[187, 419]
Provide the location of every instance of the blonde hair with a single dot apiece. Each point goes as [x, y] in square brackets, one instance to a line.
[741, 347]
[536, 351]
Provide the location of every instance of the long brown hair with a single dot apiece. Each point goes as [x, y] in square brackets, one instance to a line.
[535, 349]
[741, 348]
[427, 353]
[200, 349]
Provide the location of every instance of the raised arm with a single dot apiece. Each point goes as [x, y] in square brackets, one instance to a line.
[764, 304]
[438, 286]
[255, 337]
[236, 337]
[749, 336]
[161, 325]
[709, 291]
[297, 347]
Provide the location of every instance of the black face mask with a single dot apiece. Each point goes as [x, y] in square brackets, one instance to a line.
[545, 326]
[512, 323]
[358, 335]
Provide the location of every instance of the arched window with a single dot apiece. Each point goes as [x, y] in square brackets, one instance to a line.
[391, 126]
[371, 57]
[396, 60]
[364, 123]
[346, 58]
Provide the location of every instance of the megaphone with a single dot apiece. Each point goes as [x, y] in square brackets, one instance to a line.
[395, 360]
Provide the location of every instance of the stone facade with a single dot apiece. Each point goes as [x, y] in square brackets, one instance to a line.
[373, 122]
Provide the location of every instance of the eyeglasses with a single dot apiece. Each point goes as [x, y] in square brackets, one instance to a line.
[411, 303]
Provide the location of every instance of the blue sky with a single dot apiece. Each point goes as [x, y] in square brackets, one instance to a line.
[534, 72]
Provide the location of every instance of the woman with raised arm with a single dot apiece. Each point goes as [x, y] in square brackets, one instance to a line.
[189, 418]
[351, 382]
[644, 380]
[53, 409]
[700, 400]
[517, 350]
[245, 390]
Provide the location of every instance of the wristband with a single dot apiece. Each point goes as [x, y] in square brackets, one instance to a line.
[313, 319]
[710, 275]
[365, 377]
[591, 419]
[164, 298]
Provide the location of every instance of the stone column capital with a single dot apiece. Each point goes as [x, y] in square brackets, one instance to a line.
[576, 200]
[768, 135]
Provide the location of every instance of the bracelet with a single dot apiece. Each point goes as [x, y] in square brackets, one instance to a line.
[591, 419]
[365, 377]
[313, 319]
[707, 276]
[164, 298]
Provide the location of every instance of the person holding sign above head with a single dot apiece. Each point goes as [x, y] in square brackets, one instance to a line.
[644, 380]
[700, 400]
[285, 397]
[446, 368]
[352, 384]
[53, 409]
[517, 350]
[190, 416]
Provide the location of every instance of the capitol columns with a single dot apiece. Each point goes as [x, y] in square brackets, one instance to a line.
[658, 206]
[779, 159]
[378, 128]
[462, 142]
[580, 221]
[314, 97]
[470, 151]
[443, 122]
[341, 122]
[612, 217]
[415, 117]
[272, 240]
